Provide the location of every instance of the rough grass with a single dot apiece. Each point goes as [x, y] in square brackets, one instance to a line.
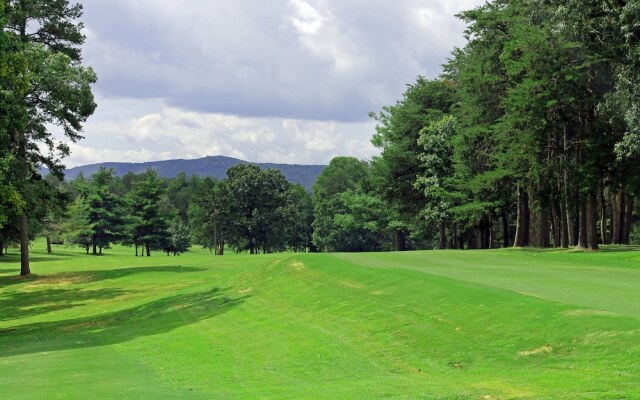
[504, 324]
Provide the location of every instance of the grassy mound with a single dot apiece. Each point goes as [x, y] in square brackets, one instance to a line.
[503, 324]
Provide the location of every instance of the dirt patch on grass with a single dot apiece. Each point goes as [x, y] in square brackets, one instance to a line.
[535, 352]
[246, 290]
[579, 313]
[499, 390]
[351, 284]
[59, 280]
[298, 265]
[457, 364]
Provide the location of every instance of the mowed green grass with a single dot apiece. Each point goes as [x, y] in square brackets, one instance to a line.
[504, 324]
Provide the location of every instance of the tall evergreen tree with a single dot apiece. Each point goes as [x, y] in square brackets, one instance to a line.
[150, 227]
[56, 91]
[105, 211]
[397, 131]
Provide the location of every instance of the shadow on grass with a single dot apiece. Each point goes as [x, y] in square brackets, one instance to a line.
[15, 258]
[92, 276]
[156, 317]
[16, 305]
[37, 258]
[618, 249]
[6, 271]
[49, 258]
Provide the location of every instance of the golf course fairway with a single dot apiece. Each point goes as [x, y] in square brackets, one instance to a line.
[498, 324]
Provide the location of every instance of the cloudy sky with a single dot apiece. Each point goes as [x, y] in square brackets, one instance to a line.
[288, 81]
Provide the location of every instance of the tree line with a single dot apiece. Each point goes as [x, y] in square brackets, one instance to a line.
[530, 136]
[252, 210]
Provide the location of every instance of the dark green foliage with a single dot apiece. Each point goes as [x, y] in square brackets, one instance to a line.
[253, 210]
[179, 240]
[209, 215]
[11, 203]
[397, 133]
[105, 211]
[544, 150]
[298, 213]
[257, 206]
[348, 215]
[77, 230]
[149, 226]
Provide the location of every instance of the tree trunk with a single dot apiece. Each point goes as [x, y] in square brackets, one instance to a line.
[146, 246]
[572, 223]
[604, 239]
[49, 251]
[136, 246]
[533, 220]
[95, 248]
[592, 221]
[582, 225]
[555, 228]
[491, 234]
[543, 227]
[569, 197]
[527, 219]
[616, 214]
[505, 227]
[401, 240]
[564, 228]
[628, 220]
[559, 232]
[458, 242]
[1, 249]
[24, 245]
[443, 235]
[522, 225]
[472, 244]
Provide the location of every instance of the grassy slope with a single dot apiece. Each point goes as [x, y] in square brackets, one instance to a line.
[452, 325]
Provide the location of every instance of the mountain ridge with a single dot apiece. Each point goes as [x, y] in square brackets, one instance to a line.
[211, 166]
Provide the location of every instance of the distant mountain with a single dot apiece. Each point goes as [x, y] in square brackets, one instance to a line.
[214, 166]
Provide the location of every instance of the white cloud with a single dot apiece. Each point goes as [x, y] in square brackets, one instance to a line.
[321, 34]
[90, 155]
[306, 59]
[277, 81]
[307, 19]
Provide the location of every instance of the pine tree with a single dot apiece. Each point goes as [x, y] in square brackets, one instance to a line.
[46, 39]
[150, 227]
